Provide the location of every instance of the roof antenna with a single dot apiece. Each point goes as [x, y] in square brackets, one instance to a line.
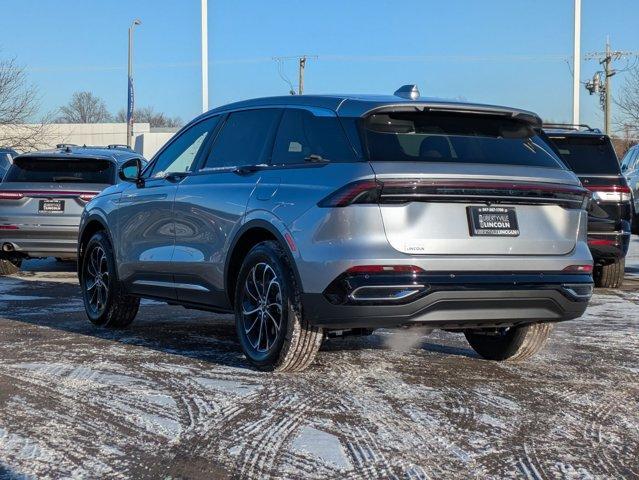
[410, 92]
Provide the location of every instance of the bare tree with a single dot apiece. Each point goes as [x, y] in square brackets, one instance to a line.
[84, 107]
[18, 105]
[150, 116]
[628, 105]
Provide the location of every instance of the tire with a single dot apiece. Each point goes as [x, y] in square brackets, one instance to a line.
[105, 303]
[512, 344]
[9, 267]
[267, 297]
[611, 275]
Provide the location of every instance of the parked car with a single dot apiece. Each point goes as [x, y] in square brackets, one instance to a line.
[630, 171]
[6, 157]
[312, 214]
[590, 154]
[42, 197]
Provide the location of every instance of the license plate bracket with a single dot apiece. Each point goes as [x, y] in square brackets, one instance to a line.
[493, 221]
[51, 206]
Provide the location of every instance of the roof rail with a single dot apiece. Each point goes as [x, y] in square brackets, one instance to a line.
[119, 146]
[571, 126]
[65, 145]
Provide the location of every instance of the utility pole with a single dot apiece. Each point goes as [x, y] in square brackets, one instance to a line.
[604, 88]
[205, 57]
[300, 84]
[576, 63]
[301, 61]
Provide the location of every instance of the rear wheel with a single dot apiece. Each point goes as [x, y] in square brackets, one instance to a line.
[512, 344]
[611, 275]
[104, 302]
[270, 324]
[9, 267]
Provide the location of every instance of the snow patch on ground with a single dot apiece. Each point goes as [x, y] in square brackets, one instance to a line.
[321, 445]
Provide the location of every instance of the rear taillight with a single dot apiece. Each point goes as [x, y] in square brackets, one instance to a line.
[446, 190]
[362, 191]
[578, 269]
[11, 195]
[610, 193]
[372, 269]
[9, 227]
[599, 242]
[87, 196]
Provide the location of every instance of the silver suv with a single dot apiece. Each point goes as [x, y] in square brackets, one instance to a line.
[307, 215]
[42, 197]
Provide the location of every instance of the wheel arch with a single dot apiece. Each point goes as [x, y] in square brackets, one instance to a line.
[249, 235]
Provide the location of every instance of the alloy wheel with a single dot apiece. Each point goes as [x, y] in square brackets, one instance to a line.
[96, 280]
[262, 307]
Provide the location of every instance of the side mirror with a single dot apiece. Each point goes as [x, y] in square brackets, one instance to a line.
[131, 171]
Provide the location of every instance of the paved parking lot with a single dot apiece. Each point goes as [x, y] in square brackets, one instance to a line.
[172, 398]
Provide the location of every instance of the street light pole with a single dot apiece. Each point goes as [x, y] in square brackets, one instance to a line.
[130, 94]
[576, 63]
[205, 57]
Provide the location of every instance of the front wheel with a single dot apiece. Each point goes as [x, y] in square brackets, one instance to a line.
[611, 275]
[270, 323]
[512, 344]
[104, 302]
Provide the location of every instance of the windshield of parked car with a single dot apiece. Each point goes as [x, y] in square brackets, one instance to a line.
[588, 154]
[455, 137]
[54, 170]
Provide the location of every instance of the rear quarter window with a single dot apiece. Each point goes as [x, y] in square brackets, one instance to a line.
[54, 170]
[302, 134]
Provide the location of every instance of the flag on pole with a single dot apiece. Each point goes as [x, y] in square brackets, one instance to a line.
[130, 105]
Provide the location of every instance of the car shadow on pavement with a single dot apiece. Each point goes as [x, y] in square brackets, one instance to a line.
[449, 350]
[196, 339]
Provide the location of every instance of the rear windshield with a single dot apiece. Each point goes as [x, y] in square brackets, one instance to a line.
[48, 170]
[456, 138]
[588, 155]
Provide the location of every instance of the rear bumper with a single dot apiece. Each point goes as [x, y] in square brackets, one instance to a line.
[608, 247]
[40, 242]
[460, 301]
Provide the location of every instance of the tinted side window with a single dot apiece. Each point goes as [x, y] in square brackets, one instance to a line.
[627, 160]
[302, 134]
[634, 159]
[181, 153]
[244, 138]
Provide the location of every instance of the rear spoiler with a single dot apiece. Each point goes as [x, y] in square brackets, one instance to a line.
[530, 118]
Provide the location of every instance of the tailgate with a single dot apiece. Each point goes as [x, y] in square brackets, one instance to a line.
[44, 203]
[428, 209]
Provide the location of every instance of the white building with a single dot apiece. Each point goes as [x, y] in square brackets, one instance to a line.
[147, 140]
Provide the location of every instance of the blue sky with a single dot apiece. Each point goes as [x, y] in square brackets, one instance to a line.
[510, 52]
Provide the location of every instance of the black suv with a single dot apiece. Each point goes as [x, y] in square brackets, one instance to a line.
[590, 154]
